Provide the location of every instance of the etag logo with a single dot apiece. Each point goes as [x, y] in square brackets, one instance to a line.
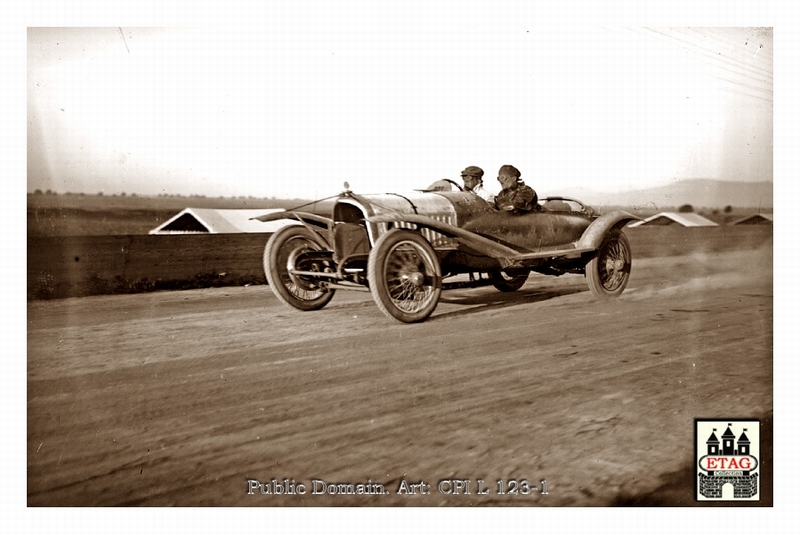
[727, 454]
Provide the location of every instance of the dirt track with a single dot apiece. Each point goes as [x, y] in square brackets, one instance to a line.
[178, 398]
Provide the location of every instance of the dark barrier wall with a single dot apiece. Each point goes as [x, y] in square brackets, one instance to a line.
[79, 266]
[90, 265]
[660, 241]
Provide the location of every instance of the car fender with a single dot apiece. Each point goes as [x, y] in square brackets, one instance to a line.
[319, 226]
[593, 236]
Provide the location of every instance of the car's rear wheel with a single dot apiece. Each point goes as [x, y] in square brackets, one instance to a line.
[509, 281]
[608, 272]
[404, 276]
[282, 255]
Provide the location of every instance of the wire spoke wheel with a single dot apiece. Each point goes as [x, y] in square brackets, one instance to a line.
[285, 253]
[404, 276]
[608, 272]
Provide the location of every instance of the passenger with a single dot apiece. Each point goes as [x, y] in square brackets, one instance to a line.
[515, 196]
[473, 181]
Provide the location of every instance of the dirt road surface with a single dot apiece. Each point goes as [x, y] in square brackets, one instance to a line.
[178, 398]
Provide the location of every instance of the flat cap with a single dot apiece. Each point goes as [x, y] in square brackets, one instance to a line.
[472, 170]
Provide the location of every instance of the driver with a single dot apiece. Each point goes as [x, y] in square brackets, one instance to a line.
[473, 181]
[515, 197]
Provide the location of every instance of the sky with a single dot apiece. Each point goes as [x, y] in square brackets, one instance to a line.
[302, 101]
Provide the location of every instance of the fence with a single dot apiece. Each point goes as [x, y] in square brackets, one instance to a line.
[91, 265]
[79, 266]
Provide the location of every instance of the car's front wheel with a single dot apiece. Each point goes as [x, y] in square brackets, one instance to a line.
[608, 272]
[404, 276]
[284, 254]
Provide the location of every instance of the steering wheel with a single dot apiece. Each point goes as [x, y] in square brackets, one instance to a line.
[454, 183]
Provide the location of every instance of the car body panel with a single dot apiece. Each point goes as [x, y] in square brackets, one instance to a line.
[452, 218]
[531, 231]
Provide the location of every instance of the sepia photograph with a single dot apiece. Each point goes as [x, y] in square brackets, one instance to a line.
[415, 256]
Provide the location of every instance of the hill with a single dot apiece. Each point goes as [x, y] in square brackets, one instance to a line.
[700, 193]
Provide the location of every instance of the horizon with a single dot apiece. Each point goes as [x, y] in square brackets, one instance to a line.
[179, 194]
[694, 192]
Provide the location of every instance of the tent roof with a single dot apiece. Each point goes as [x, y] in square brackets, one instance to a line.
[671, 217]
[219, 221]
[754, 218]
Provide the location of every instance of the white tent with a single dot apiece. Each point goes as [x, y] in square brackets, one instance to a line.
[667, 218]
[214, 221]
[755, 218]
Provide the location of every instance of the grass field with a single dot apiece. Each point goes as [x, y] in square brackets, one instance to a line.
[52, 215]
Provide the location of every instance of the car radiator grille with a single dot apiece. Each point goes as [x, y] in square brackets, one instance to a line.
[435, 238]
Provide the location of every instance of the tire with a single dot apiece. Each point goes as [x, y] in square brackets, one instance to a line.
[404, 276]
[279, 257]
[509, 282]
[608, 272]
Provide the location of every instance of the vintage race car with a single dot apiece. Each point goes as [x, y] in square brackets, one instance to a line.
[406, 248]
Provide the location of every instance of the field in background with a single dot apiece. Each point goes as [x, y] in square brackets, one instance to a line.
[51, 215]
[84, 215]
